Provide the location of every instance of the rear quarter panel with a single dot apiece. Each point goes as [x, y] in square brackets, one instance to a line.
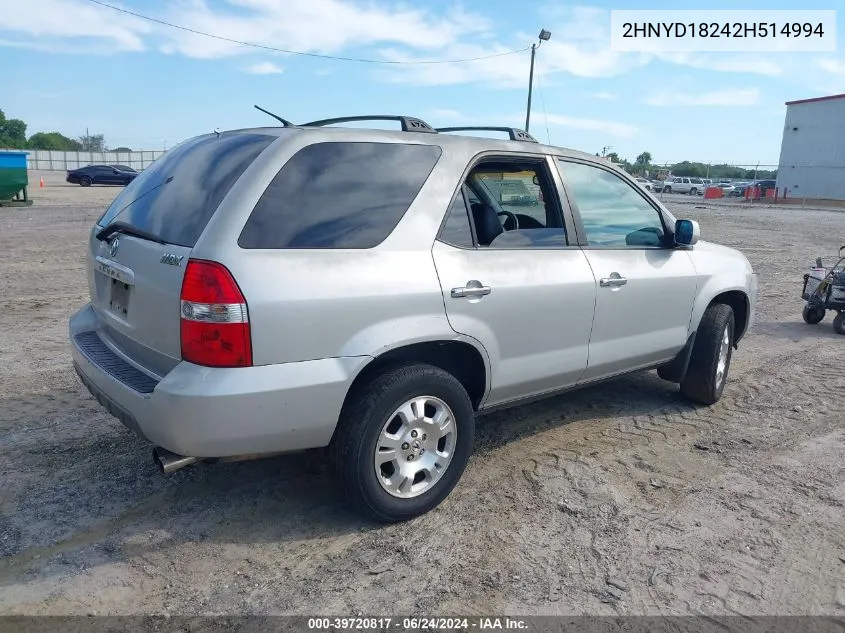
[307, 304]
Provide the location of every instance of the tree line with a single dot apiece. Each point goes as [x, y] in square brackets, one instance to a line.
[13, 136]
[642, 165]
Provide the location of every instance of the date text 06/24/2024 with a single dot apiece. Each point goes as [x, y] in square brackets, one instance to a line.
[415, 623]
[723, 31]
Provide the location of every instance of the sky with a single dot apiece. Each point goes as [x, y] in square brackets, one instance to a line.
[72, 65]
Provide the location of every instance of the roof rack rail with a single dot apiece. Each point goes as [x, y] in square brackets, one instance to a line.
[409, 123]
[514, 133]
[284, 122]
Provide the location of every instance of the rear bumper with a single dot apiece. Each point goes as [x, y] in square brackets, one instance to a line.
[208, 412]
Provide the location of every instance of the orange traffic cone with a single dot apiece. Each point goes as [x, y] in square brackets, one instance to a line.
[42, 183]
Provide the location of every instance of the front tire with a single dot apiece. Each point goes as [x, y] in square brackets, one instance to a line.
[812, 315]
[403, 441]
[693, 192]
[839, 323]
[667, 189]
[711, 356]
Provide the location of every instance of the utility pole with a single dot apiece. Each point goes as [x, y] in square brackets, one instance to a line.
[543, 37]
[530, 85]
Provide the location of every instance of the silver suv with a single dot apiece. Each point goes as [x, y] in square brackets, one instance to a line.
[269, 290]
[692, 186]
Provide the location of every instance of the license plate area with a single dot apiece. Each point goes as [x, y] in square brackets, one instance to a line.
[119, 298]
[119, 282]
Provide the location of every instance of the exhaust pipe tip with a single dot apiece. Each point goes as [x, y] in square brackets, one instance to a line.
[168, 462]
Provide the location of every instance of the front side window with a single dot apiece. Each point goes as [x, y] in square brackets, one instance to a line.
[339, 195]
[612, 211]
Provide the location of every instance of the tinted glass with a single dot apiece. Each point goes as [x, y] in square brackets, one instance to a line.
[339, 195]
[612, 211]
[456, 230]
[176, 196]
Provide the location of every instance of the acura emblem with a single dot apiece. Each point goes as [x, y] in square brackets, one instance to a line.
[115, 244]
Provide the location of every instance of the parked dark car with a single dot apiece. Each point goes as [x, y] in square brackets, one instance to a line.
[101, 175]
[765, 185]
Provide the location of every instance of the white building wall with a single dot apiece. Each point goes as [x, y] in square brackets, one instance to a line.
[812, 154]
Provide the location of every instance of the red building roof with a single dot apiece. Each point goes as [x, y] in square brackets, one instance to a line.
[813, 100]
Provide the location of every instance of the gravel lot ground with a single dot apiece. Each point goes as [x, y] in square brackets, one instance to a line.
[737, 508]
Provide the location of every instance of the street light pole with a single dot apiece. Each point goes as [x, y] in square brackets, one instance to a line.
[543, 37]
[530, 86]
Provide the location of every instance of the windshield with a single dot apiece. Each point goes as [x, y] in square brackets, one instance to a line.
[175, 197]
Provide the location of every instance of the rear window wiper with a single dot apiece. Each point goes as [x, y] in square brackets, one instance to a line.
[126, 229]
[149, 191]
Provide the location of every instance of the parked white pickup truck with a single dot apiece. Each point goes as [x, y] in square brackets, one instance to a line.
[679, 184]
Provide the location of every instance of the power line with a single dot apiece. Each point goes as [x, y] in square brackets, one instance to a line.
[303, 53]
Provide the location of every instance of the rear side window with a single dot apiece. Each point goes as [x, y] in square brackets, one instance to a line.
[176, 196]
[457, 230]
[339, 195]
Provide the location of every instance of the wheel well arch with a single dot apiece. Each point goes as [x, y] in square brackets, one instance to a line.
[739, 303]
[458, 358]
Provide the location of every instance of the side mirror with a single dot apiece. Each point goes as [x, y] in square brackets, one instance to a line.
[686, 232]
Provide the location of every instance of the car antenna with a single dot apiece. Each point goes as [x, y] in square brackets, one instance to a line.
[284, 122]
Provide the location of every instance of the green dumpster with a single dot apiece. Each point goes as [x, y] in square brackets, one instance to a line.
[13, 179]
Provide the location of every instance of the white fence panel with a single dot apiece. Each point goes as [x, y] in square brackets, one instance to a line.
[54, 160]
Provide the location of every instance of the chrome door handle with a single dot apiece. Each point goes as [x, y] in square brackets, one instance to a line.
[614, 281]
[470, 291]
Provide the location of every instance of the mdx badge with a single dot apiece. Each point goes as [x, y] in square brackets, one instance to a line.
[171, 259]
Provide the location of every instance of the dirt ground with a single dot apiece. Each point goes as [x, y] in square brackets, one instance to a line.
[737, 508]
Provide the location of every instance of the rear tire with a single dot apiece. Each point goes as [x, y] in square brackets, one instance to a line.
[397, 409]
[839, 323]
[711, 356]
[812, 316]
[85, 181]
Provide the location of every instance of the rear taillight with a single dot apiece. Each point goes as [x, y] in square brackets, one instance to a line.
[215, 321]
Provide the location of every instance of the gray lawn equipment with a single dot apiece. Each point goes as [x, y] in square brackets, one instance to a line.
[824, 289]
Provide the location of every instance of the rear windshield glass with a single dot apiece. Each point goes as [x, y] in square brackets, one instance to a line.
[175, 197]
[339, 195]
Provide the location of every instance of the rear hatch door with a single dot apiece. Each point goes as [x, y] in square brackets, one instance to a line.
[139, 248]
